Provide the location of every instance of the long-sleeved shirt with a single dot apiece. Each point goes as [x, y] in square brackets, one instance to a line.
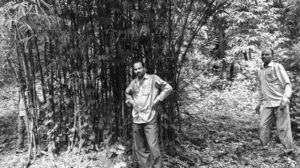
[142, 95]
[273, 85]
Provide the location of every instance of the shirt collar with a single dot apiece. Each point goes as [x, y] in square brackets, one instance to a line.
[271, 64]
[146, 76]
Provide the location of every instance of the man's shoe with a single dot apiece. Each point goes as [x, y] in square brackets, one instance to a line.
[263, 147]
[297, 150]
[20, 150]
[288, 151]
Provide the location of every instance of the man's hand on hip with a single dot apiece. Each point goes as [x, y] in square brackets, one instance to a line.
[130, 103]
[155, 102]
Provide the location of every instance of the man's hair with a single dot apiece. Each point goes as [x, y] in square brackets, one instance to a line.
[138, 61]
[269, 49]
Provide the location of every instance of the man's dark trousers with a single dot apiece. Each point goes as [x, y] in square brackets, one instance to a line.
[21, 132]
[146, 146]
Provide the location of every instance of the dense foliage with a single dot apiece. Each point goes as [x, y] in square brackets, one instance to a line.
[75, 56]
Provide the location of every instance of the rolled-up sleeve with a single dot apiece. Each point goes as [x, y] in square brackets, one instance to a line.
[165, 88]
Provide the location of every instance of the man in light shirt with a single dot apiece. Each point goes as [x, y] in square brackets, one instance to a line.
[21, 124]
[143, 94]
[274, 89]
[22, 118]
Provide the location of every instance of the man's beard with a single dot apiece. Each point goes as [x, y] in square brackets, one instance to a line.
[140, 74]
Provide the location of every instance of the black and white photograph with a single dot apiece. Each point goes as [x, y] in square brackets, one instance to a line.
[149, 83]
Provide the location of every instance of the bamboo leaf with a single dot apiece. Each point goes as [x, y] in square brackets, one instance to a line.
[136, 15]
[145, 30]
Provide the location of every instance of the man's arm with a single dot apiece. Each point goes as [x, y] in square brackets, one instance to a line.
[260, 96]
[128, 93]
[166, 89]
[285, 81]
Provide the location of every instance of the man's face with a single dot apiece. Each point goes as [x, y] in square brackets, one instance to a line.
[266, 56]
[138, 69]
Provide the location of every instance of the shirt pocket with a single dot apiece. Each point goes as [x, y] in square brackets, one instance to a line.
[146, 88]
[135, 91]
[271, 76]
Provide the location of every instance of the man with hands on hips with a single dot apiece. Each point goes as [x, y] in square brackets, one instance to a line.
[143, 94]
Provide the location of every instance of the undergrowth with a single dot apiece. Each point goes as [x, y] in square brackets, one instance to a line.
[219, 129]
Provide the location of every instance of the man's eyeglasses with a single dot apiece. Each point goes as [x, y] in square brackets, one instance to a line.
[265, 54]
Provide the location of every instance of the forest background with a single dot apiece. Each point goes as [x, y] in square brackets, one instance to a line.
[76, 56]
